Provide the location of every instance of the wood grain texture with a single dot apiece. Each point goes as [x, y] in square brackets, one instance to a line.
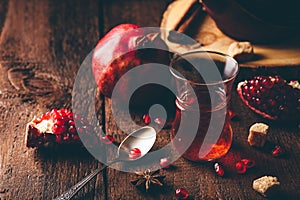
[42, 44]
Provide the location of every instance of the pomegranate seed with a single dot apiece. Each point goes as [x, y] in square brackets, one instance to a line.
[75, 137]
[135, 153]
[268, 83]
[246, 88]
[147, 119]
[72, 129]
[249, 163]
[257, 101]
[58, 139]
[240, 167]
[159, 121]
[60, 122]
[252, 90]
[232, 115]
[66, 137]
[56, 129]
[277, 151]
[181, 193]
[107, 139]
[165, 163]
[71, 123]
[219, 169]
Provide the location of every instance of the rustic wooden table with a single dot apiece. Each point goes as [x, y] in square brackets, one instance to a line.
[42, 44]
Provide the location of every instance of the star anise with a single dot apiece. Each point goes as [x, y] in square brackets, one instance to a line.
[148, 178]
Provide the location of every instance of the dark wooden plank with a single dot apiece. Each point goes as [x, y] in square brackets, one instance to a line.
[42, 45]
[146, 14]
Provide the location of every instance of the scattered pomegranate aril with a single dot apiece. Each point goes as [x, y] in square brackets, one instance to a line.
[219, 169]
[232, 115]
[277, 151]
[240, 167]
[248, 162]
[159, 121]
[107, 139]
[165, 163]
[181, 193]
[135, 153]
[57, 126]
[271, 97]
[147, 119]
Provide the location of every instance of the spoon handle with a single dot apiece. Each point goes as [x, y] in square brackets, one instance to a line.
[74, 189]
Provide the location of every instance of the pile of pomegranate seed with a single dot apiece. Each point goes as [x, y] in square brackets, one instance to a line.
[165, 163]
[219, 169]
[181, 193]
[57, 126]
[135, 153]
[147, 119]
[272, 97]
[107, 139]
[277, 151]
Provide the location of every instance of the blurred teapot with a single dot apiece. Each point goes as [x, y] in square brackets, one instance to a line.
[258, 21]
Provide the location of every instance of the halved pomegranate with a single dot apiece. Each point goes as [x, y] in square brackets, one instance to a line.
[57, 126]
[272, 97]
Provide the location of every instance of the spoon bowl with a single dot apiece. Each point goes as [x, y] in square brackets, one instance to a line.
[143, 139]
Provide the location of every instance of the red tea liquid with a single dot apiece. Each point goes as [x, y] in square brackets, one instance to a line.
[201, 129]
[207, 145]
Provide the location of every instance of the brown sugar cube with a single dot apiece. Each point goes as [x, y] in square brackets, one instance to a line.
[257, 134]
[266, 185]
[241, 51]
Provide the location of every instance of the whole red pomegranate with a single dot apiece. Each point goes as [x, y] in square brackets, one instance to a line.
[124, 47]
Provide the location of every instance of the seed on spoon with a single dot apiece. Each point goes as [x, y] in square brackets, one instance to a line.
[135, 153]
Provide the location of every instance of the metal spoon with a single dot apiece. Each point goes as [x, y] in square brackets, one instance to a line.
[142, 139]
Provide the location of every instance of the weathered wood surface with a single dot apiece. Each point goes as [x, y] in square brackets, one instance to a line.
[42, 44]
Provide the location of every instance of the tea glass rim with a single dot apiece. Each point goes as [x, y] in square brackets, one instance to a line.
[208, 52]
